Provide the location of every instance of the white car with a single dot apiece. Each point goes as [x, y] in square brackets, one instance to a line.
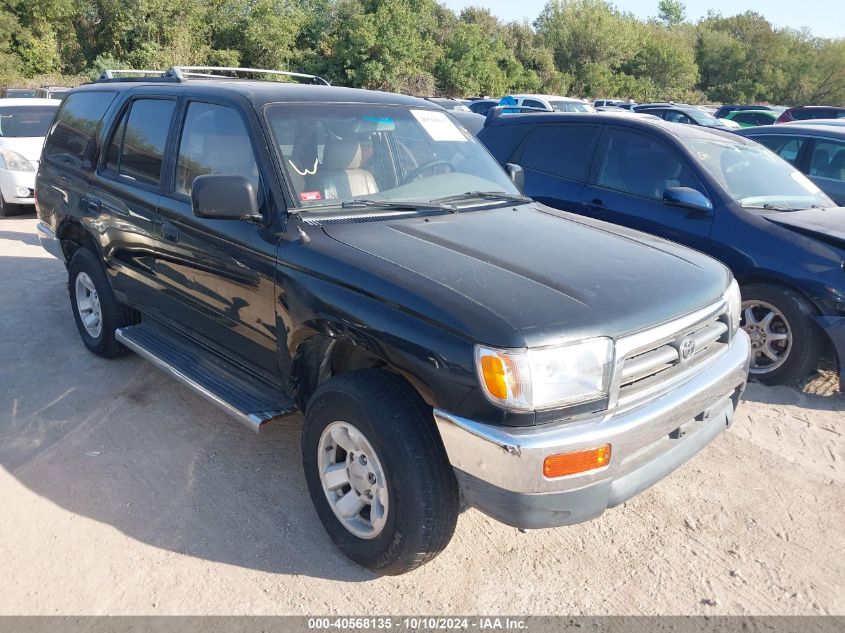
[548, 102]
[23, 125]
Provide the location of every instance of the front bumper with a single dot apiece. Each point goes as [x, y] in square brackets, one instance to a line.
[834, 327]
[12, 184]
[49, 241]
[500, 470]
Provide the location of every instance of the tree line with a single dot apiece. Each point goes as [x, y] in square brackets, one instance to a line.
[585, 48]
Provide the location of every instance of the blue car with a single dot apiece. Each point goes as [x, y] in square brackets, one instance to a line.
[711, 190]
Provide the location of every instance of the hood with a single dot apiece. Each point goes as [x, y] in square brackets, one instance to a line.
[827, 225]
[28, 147]
[549, 276]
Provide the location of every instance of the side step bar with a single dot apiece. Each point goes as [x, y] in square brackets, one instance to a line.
[249, 398]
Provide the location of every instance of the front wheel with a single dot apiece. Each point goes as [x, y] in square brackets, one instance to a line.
[784, 339]
[377, 472]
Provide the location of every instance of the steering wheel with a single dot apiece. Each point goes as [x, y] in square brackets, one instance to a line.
[415, 173]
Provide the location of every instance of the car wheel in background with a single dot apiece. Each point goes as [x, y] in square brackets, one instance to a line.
[377, 472]
[784, 340]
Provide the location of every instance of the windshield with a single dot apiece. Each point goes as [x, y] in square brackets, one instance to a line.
[703, 118]
[27, 121]
[569, 106]
[336, 153]
[756, 177]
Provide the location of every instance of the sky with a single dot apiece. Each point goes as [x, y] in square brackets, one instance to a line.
[825, 18]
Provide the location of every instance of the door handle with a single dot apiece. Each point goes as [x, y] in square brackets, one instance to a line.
[90, 205]
[169, 233]
[596, 204]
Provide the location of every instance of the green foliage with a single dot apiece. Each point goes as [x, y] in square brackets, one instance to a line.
[578, 47]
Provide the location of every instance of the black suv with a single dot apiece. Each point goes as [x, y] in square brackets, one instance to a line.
[359, 256]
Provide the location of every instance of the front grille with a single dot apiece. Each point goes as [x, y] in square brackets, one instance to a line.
[648, 367]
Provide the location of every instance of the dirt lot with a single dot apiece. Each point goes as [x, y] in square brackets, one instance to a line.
[124, 493]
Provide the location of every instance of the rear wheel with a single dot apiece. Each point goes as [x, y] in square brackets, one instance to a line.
[784, 339]
[96, 311]
[377, 472]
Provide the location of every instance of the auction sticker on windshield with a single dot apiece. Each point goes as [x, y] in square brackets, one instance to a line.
[438, 125]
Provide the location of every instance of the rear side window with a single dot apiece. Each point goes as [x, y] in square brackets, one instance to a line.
[787, 147]
[531, 103]
[214, 140]
[71, 140]
[144, 139]
[828, 160]
[560, 150]
[502, 140]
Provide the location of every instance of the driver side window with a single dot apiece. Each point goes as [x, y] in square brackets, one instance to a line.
[636, 164]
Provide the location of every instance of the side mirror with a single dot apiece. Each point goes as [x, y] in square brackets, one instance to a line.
[687, 197]
[517, 175]
[224, 197]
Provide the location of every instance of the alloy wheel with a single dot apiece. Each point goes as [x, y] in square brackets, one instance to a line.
[88, 305]
[770, 334]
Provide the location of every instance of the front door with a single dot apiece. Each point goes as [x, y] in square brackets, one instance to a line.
[217, 275]
[630, 174]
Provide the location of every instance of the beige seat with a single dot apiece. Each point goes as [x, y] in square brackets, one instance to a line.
[341, 173]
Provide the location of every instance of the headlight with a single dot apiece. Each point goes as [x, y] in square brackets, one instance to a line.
[531, 379]
[14, 161]
[734, 300]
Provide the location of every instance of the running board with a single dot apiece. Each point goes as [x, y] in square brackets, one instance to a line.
[249, 398]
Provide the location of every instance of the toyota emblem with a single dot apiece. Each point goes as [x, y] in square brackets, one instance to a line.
[687, 349]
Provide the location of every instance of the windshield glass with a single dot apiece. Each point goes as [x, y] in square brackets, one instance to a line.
[756, 177]
[702, 118]
[569, 106]
[335, 153]
[25, 120]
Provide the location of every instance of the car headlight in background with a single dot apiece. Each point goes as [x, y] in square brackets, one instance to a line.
[532, 379]
[734, 300]
[10, 159]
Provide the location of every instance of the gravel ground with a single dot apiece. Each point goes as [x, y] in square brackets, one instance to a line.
[124, 493]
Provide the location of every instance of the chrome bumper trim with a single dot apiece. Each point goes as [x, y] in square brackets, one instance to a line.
[511, 458]
[49, 241]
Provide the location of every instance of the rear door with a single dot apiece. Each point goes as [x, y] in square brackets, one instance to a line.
[218, 274]
[826, 167]
[124, 192]
[556, 162]
[629, 175]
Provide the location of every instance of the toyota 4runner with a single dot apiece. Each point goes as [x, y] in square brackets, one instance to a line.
[360, 257]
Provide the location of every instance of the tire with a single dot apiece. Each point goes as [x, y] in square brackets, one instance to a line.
[5, 208]
[793, 318]
[421, 505]
[85, 267]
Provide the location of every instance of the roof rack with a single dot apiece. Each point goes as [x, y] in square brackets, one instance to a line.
[496, 111]
[117, 73]
[229, 72]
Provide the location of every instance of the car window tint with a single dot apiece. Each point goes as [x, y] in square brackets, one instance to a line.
[561, 150]
[828, 160]
[787, 147]
[76, 124]
[214, 140]
[744, 117]
[531, 103]
[675, 117]
[144, 139]
[637, 164]
[113, 149]
[502, 140]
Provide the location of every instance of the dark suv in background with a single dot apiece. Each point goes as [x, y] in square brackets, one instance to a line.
[714, 191]
[360, 256]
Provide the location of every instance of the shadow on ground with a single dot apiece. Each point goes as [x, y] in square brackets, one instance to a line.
[121, 443]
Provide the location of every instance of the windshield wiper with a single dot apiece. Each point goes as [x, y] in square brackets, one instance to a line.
[485, 195]
[394, 205]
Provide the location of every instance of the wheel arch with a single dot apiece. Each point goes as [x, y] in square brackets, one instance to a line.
[73, 236]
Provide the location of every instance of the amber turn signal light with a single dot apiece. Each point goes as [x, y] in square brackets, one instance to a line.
[577, 462]
[493, 370]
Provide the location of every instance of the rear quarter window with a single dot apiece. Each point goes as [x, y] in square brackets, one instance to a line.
[560, 150]
[502, 140]
[71, 139]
